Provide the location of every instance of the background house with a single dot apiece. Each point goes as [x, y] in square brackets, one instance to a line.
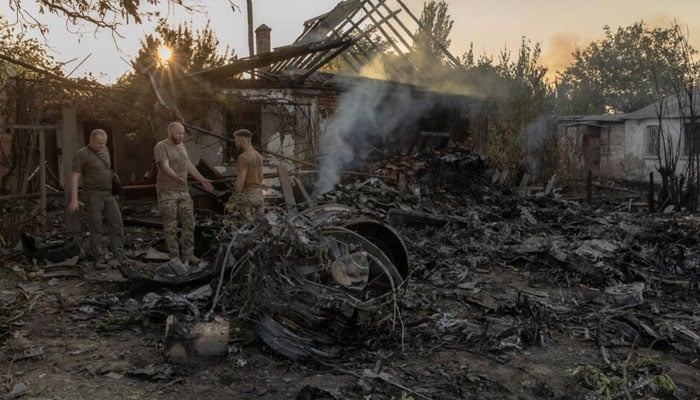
[633, 145]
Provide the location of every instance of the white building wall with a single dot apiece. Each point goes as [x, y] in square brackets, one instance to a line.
[638, 163]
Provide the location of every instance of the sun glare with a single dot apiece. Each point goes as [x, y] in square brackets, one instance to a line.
[164, 53]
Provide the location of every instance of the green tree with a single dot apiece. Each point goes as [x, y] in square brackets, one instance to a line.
[625, 71]
[517, 96]
[192, 51]
[433, 36]
[27, 96]
[21, 59]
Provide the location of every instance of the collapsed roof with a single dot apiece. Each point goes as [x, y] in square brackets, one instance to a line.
[376, 24]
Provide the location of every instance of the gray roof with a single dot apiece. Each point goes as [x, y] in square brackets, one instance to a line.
[592, 119]
[674, 106]
[669, 106]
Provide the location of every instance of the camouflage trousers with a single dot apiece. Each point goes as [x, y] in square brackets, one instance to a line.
[102, 208]
[248, 203]
[177, 206]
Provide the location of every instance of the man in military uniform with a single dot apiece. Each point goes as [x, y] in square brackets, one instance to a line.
[247, 189]
[92, 162]
[174, 198]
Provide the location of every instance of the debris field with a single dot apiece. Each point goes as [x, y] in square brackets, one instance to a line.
[421, 278]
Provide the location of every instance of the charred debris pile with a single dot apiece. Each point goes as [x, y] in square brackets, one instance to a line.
[434, 252]
[431, 251]
[592, 270]
[425, 254]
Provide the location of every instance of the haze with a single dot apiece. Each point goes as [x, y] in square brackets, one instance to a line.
[490, 25]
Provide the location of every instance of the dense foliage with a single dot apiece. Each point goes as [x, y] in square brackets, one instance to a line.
[629, 68]
[433, 35]
[516, 96]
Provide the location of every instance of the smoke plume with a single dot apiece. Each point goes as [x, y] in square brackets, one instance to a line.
[364, 114]
[385, 102]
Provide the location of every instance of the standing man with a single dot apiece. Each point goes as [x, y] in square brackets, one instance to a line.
[247, 189]
[174, 198]
[92, 163]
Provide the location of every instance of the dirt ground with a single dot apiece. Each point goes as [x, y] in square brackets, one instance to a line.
[58, 351]
[481, 317]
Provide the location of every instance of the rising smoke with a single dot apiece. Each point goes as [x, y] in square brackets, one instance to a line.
[364, 115]
[388, 104]
[351, 129]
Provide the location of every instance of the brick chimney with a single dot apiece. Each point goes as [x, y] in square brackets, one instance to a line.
[262, 39]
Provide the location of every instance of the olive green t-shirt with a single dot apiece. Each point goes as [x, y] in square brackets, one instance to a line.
[177, 157]
[95, 174]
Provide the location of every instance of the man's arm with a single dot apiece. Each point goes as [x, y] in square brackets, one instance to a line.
[204, 181]
[73, 204]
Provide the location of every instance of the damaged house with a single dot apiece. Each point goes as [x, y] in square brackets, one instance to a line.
[393, 99]
[302, 115]
[633, 145]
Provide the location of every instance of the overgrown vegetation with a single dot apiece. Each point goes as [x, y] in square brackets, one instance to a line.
[517, 97]
[191, 51]
[641, 375]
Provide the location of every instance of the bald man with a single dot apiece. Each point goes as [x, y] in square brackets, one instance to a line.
[91, 163]
[174, 198]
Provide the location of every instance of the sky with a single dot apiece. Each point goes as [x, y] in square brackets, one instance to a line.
[493, 25]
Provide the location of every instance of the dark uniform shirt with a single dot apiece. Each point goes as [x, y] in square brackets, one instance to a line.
[95, 174]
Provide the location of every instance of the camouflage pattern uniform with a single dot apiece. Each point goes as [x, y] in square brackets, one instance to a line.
[250, 201]
[174, 199]
[249, 204]
[174, 206]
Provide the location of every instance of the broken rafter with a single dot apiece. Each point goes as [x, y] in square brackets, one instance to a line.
[392, 15]
[378, 24]
[320, 27]
[447, 53]
[323, 62]
[330, 27]
[338, 33]
[263, 60]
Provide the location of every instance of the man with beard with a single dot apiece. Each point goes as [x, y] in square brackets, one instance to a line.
[247, 189]
[174, 198]
[92, 162]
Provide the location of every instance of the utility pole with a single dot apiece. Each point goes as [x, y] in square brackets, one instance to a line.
[251, 39]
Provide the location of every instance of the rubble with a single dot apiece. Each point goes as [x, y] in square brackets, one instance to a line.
[421, 265]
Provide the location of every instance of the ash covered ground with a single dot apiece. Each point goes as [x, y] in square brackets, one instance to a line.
[500, 296]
